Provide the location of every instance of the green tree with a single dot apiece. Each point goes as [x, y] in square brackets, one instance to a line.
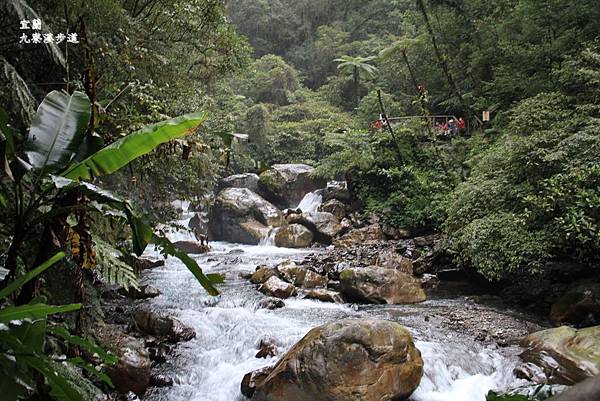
[358, 67]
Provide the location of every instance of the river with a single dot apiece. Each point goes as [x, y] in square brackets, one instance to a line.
[229, 328]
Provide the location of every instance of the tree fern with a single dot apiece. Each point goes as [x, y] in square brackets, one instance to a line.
[112, 269]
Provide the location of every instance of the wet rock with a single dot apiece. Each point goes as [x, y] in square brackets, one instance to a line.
[246, 180]
[566, 355]
[580, 306]
[266, 348]
[278, 288]
[163, 326]
[294, 236]
[147, 263]
[144, 292]
[240, 215]
[286, 184]
[323, 295]
[337, 190]
[361, 236]
[380, 285]
[132, 371]
[262, 274]
[335, 207]
[159, 380]
[346, 360]
[531, 372]
[314, 280]
[270, 303]
[160, 352]
[253, 379]
[191, 247]
[300, 276]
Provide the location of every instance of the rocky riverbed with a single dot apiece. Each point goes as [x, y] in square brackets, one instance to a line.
[335, 274]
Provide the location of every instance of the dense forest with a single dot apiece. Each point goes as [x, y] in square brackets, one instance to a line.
[465, 131]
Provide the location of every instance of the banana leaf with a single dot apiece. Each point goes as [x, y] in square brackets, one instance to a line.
[125, 150]
[57, 130]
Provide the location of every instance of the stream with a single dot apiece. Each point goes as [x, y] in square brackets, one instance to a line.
[229, 328]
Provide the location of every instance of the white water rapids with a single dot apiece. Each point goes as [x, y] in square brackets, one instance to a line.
[229, 328]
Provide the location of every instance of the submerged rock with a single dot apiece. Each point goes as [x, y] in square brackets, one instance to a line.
[566, 355]
[278, 288]
[294, 236]
[380, 285]
[346, 360]
[270, 303]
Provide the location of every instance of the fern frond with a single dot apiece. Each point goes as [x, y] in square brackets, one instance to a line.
[111, 268]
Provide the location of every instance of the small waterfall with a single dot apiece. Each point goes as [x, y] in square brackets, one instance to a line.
[311, 201]
[269, 240]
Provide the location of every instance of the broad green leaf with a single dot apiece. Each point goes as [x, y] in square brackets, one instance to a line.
[12, 287]
[64, 334]
[60, 388]
[57, 130]
[31, 334]
[205, 281]
[125, 150]
[78, 361]
[36, 311]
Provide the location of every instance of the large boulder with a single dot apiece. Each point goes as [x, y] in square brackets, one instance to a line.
[361, 236]
[240, 215]
[278, 288]
[335, 207]
[246, 180]
[324, 226]
[132, 371]
[286, 184]
[346, 360]
[565, 354]
[381, 286]
[294, 236]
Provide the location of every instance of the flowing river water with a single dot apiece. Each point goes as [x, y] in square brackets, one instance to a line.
[229, 328]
